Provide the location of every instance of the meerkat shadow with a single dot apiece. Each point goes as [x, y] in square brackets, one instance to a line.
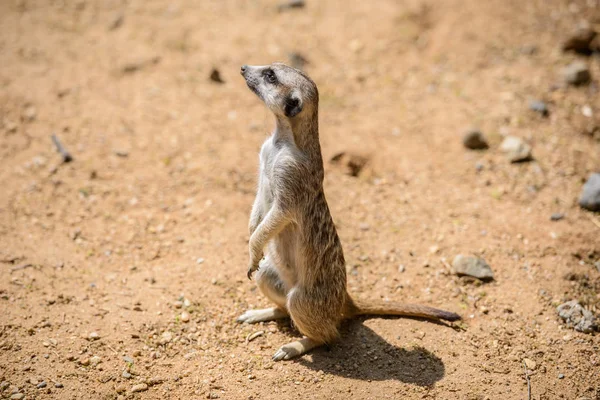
[364, 355]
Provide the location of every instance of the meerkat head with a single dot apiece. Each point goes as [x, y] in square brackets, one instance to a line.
[287, 91]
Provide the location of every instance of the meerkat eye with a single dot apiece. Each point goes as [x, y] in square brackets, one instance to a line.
[270, 76]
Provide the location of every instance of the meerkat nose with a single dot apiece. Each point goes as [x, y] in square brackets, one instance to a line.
[244, 67]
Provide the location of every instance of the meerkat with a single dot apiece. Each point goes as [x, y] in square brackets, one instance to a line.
[303, 271]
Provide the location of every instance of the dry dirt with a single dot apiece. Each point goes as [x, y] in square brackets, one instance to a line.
[152, 213]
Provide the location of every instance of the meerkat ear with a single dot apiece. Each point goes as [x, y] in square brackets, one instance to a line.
[293, 105]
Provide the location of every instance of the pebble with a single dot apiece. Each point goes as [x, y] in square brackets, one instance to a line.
[472, 266]
[17, 396]
[59, 385]
[539, 107]
[121, 389]
[516, 149]
[474, 140]
[530, 364]
[580, 40]
[577, 317]
[29, 113]
[557, 216]
[178, 304]
[185, 317]
[291, 4]
[139, 388]
[215, 76]
[41, 385]
[126, 375]
[166, 337]
[84, 361]
[577, 73]
[94, 336]
[561, 376]
[297, 60]
[590, 194]
[95, 360]
[155, 381]
[200, 260]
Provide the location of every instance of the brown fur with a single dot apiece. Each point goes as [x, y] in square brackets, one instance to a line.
[304, 271]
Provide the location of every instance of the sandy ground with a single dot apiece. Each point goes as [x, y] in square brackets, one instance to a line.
[103, 260]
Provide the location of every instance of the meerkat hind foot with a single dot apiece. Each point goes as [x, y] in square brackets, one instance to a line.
[295, 349]
[264, 315]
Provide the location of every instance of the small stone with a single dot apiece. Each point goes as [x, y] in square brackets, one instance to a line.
[17, 396]
[577, 317]
[41, 385]
[200, 260]
[580, 40]
[401, 268]
[539, 107]
[95, 360]
[291, 4]
[178, 304]
[297, 60]
[121, 389]
[4, 385]
[215, 76]
[516, 149]
[561, 376]
[475, 140]
[364, 227]
[557, 216]
[84, 361]
[530, 364]
[590, 194]
[121, 153]
[141, 387]
[94, 336]
[58, 385]
[472, 266]
[126, 375]
[166, 337]
[29, 113]
[185, 317]
[577, 73]
[155, 381]
[587, 111]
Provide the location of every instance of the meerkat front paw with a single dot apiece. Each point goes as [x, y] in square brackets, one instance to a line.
[252, 269]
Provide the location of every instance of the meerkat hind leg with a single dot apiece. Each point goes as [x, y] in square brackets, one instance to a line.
[295, 349]
[262, 315]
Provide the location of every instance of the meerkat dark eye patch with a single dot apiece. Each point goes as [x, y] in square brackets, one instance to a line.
[292, 106]
[270, 76]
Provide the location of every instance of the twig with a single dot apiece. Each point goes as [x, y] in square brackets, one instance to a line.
[66, 156]
[23, 266]
[253, 336]
[528, 381]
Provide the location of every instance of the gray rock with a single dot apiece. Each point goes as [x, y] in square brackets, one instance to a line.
[577, 317]
[41, 385]
[590, 194]
[59, 385]
[17, 396]
[577, 73]
[475, 140]
[539, 107]
[472, 266]
[561, 376]
[139, 388]
[516, 149]
[557, 216]
[126, 375]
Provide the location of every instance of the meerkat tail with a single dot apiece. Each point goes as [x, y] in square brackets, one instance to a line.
[380, 307]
